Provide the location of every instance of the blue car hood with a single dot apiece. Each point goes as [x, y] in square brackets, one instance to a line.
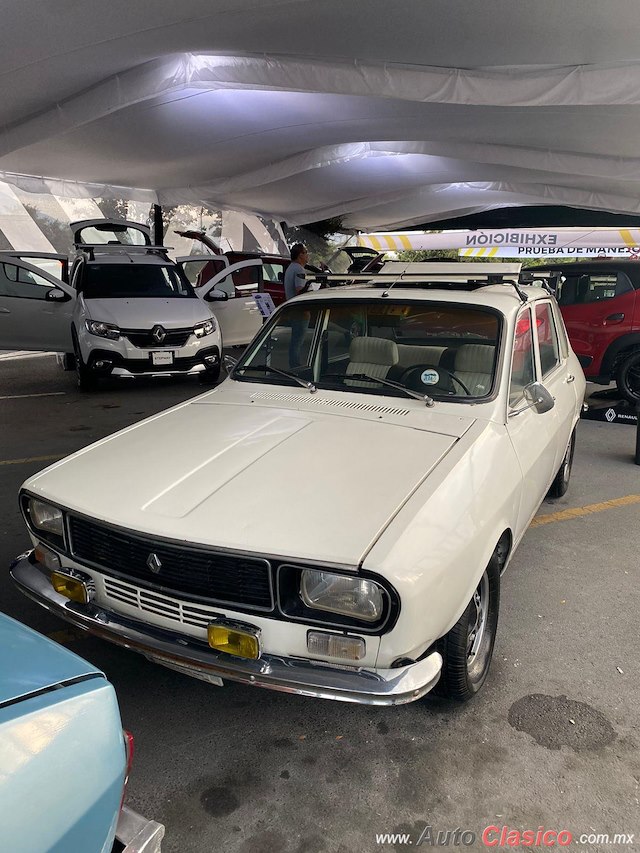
[30, 662]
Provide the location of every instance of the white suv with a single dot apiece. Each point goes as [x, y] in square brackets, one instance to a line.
[128, 310]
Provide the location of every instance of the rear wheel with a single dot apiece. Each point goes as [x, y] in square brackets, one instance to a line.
[468, 647]
[628, 378]
[561, 482]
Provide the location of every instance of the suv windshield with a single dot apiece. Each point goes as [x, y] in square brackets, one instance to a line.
[134, 281]
[437, 348]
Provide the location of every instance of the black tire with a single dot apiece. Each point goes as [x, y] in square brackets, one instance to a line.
[628, 378]
[465, 668]
[561, 483]
[210, 376]
[86, 380]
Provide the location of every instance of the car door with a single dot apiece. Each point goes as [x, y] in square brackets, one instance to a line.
[555, 374]
[597, 308]
[49, 262]
[238, 315]
[35, 308]
[533, 435]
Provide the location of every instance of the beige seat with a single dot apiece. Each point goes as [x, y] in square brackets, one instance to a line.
[474, 367]
[412, 356]
[373, 356]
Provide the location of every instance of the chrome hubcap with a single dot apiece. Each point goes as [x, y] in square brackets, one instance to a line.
[477, 620]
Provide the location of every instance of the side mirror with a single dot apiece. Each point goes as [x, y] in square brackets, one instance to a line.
[216, 296]
[56, 295]
[229, 363]
[538, 398]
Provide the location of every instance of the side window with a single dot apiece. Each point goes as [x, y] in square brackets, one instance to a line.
[21, 283]
[547, 338]
[561, 330]
[522, 361]
[593, 287]
[246, 280]
[273, 272]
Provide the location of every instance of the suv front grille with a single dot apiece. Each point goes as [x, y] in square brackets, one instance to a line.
[193, 572]
[143, 338]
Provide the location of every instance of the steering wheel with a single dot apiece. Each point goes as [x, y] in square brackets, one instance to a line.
[412, 378]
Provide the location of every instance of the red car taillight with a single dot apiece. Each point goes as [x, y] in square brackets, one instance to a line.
[129, 749]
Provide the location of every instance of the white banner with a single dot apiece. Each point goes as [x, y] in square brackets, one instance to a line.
[629, 253]
[532, 240]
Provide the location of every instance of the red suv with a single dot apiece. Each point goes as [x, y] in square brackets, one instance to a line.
[600, 304]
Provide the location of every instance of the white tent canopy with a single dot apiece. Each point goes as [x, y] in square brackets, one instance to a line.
[388, 114]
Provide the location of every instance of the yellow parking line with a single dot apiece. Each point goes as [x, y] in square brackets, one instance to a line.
[32, 459]
[578, 512]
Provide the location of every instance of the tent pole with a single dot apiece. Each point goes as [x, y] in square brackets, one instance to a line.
[158, 228]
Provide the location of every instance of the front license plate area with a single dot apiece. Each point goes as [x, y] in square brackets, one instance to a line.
[185, 669]
[158, 358]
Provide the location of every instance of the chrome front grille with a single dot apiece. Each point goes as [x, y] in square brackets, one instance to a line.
[144, 339]
[192, 572]
[182, 612]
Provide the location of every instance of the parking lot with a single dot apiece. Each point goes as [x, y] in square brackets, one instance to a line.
[551, 741]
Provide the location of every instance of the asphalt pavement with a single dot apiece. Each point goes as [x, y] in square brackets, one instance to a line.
[551, 742]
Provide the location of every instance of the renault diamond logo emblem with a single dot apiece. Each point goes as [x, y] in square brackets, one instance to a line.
[158, 334]
[153, 561]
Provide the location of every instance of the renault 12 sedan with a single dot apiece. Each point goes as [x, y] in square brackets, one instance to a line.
[334, 519]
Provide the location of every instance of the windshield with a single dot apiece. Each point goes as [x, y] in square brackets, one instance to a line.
[443, 350]
[134, 281]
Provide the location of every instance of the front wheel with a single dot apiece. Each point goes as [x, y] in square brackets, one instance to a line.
[628, 378]
[468, 647]
[86, 380]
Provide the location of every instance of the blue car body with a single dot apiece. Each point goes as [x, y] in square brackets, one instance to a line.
[62, 751]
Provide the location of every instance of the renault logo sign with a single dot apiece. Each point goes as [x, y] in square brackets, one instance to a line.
[158, 334]
[153, 561]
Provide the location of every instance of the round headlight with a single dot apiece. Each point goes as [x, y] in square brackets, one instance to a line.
[46, 517]
[350, 596]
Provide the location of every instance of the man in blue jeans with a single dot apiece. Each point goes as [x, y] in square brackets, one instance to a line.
[294, 283]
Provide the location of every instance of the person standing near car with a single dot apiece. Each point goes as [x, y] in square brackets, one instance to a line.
[294, 283]
[294, 277]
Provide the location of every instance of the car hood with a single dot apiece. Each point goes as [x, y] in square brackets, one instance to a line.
[30, 662]
[175, 313]
[258, 478]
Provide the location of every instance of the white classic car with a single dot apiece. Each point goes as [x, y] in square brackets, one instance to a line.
[332, 520]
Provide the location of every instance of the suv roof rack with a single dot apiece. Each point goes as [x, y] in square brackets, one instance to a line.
[119, 248]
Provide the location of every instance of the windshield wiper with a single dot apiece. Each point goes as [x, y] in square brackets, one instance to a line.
[268, 369]
[366, 378]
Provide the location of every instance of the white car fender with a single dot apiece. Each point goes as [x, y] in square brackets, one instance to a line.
[437, 547]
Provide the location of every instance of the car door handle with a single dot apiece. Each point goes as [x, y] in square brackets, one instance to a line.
[570, 378]
[4, 311]
[614, 318]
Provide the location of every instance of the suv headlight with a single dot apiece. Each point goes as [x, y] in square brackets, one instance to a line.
[206, 328]
[349, 596]
[102, 330]
[46, 520]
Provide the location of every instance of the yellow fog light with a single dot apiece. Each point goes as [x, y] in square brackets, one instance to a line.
[241, 642]
[72, 587]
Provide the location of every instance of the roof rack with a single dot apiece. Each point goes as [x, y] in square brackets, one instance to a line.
[119, 248]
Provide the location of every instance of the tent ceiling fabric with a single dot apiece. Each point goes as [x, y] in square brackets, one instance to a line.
[389, 115]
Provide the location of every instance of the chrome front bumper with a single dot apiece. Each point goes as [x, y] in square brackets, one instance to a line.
[137, 834]
[289, 675]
